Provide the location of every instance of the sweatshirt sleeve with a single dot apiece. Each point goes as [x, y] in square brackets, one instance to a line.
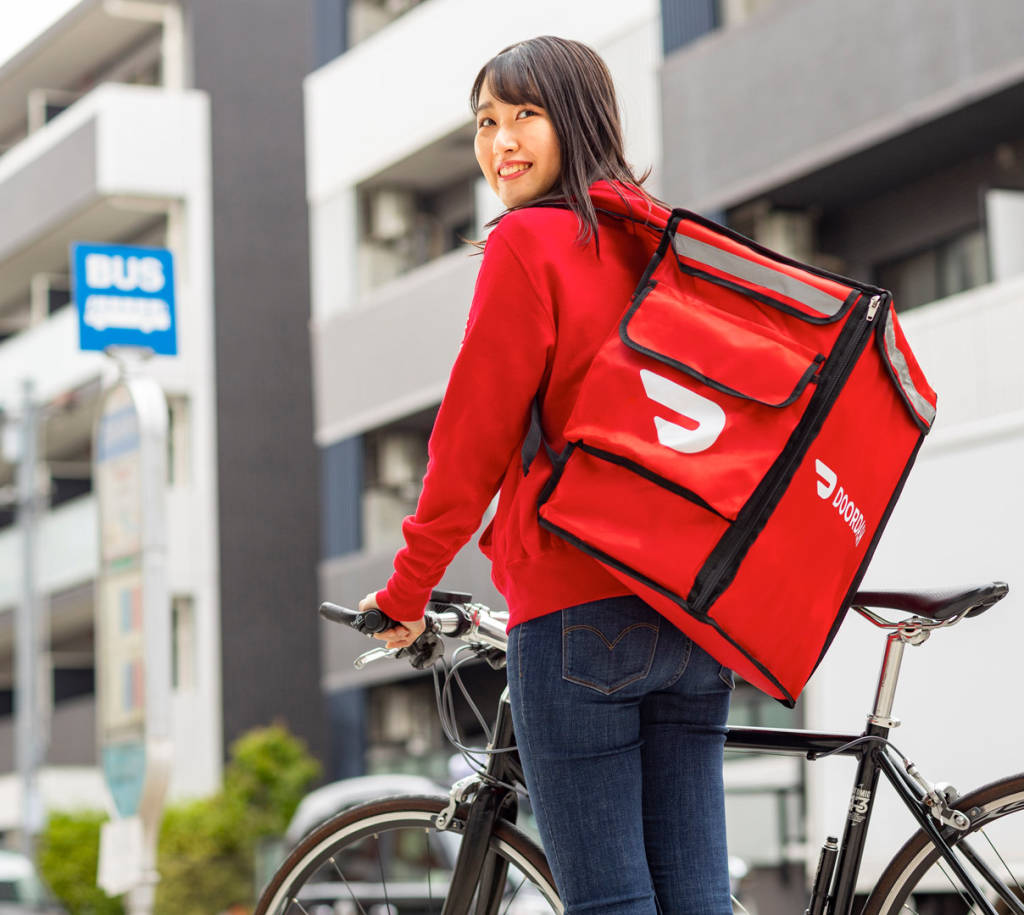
[480, 426]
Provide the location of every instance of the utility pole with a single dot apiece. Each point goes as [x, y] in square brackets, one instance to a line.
[28, 692]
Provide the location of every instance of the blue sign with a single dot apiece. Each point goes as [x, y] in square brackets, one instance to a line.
[124, 296]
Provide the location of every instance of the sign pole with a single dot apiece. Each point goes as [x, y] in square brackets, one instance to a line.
[133, 632]
[28, 692]
[125, 296]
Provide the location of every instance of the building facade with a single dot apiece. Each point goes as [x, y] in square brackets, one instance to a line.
[147, 124]
[882, 141]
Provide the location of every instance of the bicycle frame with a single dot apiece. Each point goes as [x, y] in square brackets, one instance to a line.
[835, 893]
[491, 796]
[835, 896]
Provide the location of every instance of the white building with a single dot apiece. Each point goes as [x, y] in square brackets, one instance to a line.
[145, 123]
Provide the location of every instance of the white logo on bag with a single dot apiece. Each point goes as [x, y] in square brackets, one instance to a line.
[842, 503]
[709, 416]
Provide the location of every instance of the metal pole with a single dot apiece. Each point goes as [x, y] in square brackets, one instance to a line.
[26, 695]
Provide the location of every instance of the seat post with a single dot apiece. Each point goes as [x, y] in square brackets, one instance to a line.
[888, 677]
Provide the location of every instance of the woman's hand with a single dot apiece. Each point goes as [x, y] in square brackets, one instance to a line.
[400, 636]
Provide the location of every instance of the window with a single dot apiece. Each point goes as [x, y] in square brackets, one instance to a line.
[179, 434]
[365, 17]
[955, 265]
[394, 462]
[183, 642]
[403, 227]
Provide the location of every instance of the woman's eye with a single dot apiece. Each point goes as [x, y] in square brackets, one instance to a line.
[526, 113]
[484, 122]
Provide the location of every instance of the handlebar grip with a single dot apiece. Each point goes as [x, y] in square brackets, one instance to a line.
[337, 614]
[376, 621]
[368, 623]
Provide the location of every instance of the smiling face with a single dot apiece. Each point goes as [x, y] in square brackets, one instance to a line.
[517, 149]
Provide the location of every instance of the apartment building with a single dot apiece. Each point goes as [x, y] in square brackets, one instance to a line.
[884, 141]
[878, 140]
[153, 123]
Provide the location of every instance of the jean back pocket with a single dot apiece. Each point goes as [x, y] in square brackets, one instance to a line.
[605, 647]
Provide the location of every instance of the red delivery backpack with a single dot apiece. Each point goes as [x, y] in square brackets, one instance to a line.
[738, 445]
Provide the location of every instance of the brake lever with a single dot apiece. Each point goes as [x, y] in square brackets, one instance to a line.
[374, 654]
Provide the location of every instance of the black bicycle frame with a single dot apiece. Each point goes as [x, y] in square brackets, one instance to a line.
[495, 799]
[867, 747]
[475, 865]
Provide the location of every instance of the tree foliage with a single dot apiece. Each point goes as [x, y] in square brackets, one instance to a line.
[69, 852]
[207, 847]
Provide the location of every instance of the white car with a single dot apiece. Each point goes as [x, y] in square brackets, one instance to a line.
[418, 866]
[21, 890]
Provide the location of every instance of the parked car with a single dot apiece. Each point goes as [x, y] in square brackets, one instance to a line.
[415, 864]
[21, 890]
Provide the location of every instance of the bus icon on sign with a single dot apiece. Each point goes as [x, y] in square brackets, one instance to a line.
[124, 296]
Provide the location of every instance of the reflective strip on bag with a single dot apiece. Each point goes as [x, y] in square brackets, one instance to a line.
[816, 299]
[918, 402]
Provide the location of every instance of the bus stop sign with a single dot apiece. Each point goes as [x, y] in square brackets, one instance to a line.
[124, 296]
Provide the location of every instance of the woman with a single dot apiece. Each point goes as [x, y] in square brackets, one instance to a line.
[616, 712]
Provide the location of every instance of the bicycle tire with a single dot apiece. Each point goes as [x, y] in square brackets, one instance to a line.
[356, 832]
[914, 872]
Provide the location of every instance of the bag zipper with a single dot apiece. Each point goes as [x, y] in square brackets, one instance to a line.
[768, 497]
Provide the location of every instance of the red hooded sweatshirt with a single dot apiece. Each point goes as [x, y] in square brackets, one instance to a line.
[542, 306]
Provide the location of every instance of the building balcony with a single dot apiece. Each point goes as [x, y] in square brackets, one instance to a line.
[391, 355]
[967, 346]
[106, 168]
[849, 94]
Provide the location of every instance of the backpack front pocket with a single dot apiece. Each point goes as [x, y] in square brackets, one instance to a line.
[703, 398]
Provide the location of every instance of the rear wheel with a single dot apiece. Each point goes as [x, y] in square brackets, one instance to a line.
[918, 880]
[387, 857]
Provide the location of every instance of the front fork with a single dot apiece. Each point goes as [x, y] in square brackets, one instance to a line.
[477, 866]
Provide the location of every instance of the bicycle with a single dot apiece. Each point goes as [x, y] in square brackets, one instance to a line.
[360, 860]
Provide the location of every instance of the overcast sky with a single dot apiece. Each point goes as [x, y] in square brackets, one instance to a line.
[22, 20]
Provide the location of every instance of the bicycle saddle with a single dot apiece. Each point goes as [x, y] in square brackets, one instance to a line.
[936, 604]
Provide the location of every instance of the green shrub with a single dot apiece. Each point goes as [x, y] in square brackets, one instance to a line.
[207, 848]
[69, 850]
[206, 852]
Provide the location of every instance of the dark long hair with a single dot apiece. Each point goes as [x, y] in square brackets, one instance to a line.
[572, 83]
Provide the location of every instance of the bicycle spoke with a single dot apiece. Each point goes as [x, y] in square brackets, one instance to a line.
[956, 886]
[292, 902]
[512, 898]
[1020, 890]
[430, 887]
[351, 892]
[383, 879]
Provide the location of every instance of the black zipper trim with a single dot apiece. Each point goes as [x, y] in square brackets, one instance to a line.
[809, 373]
[603, 557]
[723, 563]
[655, 478]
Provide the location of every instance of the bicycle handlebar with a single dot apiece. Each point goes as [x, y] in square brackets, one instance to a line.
[449, 613]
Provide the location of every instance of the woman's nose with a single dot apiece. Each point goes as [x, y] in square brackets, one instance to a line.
[505, 138]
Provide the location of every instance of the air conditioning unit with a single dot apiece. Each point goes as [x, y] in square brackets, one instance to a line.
[790, 232]
[401, 459]
[392, 214]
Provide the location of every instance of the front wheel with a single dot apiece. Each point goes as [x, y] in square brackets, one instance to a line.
[918, 880]
[386, 857]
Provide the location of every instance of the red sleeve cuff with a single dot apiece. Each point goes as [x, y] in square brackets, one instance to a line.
[405, 609]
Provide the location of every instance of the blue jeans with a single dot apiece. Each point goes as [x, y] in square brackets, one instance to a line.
[620, 719]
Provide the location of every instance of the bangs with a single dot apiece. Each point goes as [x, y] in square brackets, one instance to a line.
[510, 81]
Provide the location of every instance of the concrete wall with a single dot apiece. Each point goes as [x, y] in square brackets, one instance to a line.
[808, 82]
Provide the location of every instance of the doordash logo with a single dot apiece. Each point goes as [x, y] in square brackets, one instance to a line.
[706, 418]
[842, 503]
